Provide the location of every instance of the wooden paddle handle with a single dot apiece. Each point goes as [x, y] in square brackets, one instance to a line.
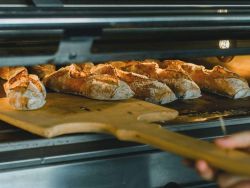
[232, 161]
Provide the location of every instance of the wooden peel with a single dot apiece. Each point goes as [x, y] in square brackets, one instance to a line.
[127, 120]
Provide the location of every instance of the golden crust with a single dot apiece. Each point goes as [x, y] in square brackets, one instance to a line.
[177, 80]
[4, 73]
[144, 87]
[24, 91]
[189, 68]
[71, 79]
[86, 67]
[7, 72]
[218, 80]
[19, 78]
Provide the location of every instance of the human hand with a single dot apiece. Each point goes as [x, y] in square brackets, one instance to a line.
[226, 180]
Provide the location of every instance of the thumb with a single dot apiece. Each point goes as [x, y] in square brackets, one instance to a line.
[239, 140]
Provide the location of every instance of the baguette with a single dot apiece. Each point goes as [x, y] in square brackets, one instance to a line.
[24, 91]
[145, 88]
[219, 80]
[182, 85]
[72, 79]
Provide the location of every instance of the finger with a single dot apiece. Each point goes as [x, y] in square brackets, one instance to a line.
[239, 140]
[242, 184]
[229, 180]
[205, 171]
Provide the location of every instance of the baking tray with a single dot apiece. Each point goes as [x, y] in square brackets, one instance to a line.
[208, 112]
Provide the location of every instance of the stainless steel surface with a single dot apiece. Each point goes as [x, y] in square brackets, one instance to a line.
[53, 22]
[159, 5]
[148, 170]
[94, 33]
[48, 3]
[167, 15]
[14, 3]
[135, 3]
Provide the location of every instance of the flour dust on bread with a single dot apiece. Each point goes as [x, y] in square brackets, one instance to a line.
[73, 79]
[218, 80]
[24, 91]
[179, 82]
[144, 88]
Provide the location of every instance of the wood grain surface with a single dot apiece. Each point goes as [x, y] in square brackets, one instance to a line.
[128, 120]
[65, 114]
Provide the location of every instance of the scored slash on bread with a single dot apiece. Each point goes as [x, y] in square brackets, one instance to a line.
[182, 85]
[145, 88]
[73, 79]
[24, 91]
[219, 80]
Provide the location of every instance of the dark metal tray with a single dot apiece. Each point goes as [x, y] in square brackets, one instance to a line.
[206, 111]
[209, 107]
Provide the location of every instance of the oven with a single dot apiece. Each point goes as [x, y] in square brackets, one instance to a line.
[62, 31]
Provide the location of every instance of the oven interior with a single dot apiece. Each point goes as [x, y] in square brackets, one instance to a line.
[64, 32]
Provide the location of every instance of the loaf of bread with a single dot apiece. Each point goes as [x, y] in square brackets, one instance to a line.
[24, 91]
[42, 70]
[5, 73]
[144, 88]
[219, 80]
[73, 79]
[181, 84]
